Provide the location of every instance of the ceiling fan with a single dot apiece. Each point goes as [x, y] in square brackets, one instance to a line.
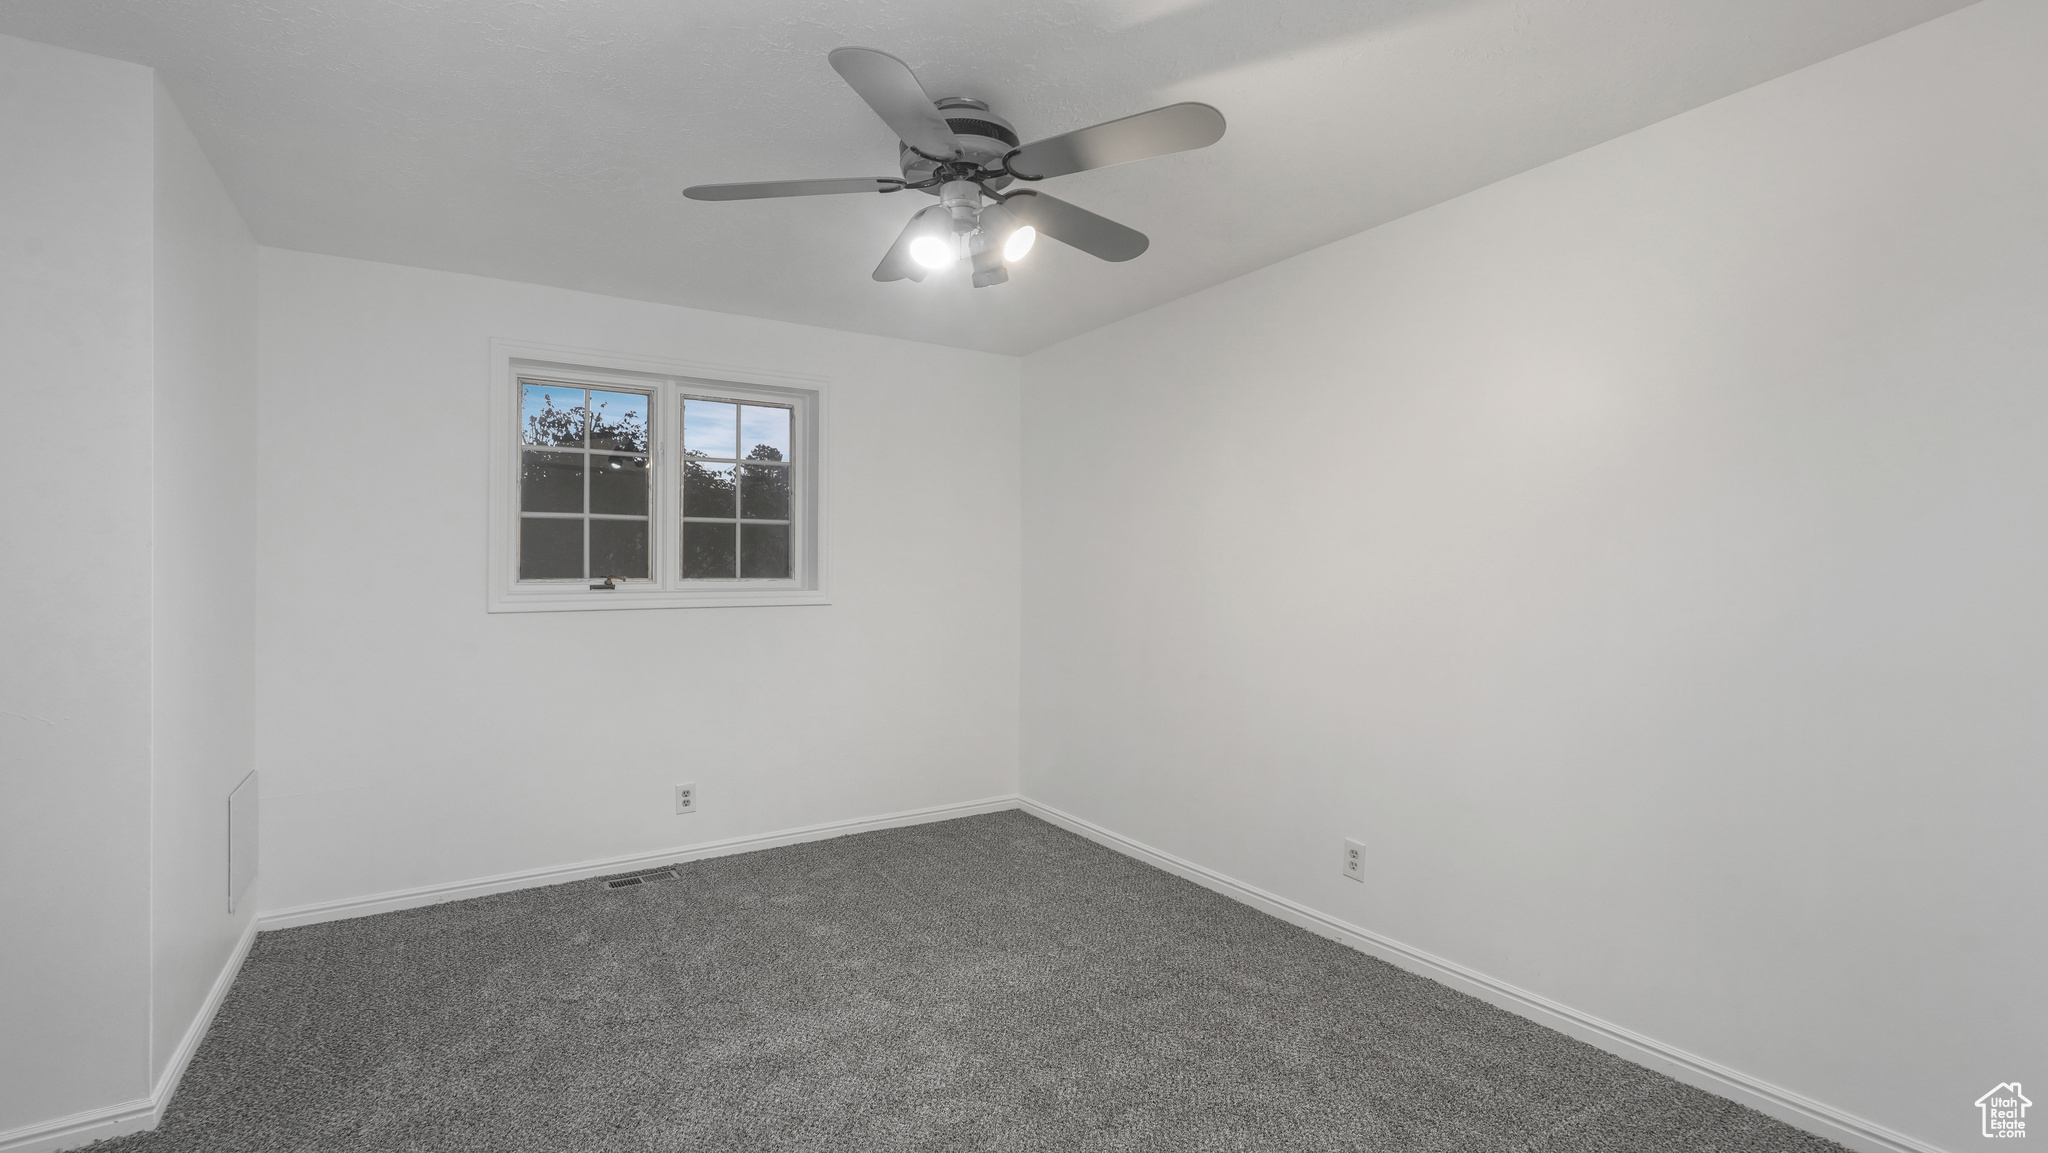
[959, 151]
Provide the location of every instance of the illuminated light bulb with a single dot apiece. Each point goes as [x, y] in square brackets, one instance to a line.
[1019, 243]
[932, 251]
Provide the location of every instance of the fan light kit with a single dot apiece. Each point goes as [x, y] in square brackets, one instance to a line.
[959, 151]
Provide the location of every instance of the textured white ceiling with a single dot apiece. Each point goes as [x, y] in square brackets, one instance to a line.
[549, 140]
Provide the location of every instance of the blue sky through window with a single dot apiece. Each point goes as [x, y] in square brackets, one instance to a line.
[764, 426]
[551, 414]
[618, 420]
[710, 428]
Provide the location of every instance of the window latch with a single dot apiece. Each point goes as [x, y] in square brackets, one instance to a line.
[608, 584]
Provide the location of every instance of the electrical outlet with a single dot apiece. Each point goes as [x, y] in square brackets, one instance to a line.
[686, 798]
[1354, 861]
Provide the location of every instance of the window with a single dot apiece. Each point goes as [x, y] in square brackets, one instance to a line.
[585, 487]
[616, 485]
[735, 489]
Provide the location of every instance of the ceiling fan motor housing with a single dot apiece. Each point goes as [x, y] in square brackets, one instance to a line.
[985, 138]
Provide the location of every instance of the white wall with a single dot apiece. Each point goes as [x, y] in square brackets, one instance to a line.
[1645, 556]
[204, 573]
[408, 738]
[74, 563]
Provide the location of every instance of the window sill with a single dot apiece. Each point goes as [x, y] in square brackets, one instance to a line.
[559, 598]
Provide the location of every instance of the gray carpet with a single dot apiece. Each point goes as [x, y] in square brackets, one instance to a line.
[992, 983]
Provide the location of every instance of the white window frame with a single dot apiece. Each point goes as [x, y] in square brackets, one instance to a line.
[668, 381]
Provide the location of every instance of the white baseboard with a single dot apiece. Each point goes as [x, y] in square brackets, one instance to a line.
[558, 874]
[181, 1058]
[144, 1113]
[1787, 1106]
[81, 1128]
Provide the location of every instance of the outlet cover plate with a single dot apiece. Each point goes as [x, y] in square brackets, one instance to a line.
[686, 799]
[1354, 860]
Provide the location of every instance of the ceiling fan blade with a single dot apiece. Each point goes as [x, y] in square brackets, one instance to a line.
[765, 188]
[896, 263]
[1174, 128]
[1072, 224]
[892, 90]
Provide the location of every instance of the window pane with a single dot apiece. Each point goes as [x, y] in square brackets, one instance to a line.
[707, 550]
[710, 428]
[764, 550]
[618, 484]
[550, 548]
[764, 491]
[551, 414]
[551, 482]
[764, 433]
[618, 420]
[707, 489]
[618, 548]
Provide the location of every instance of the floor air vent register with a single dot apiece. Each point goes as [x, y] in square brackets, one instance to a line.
[643, 877]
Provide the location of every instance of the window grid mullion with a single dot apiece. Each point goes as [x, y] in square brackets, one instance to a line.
[738, 511]
[586, 484]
